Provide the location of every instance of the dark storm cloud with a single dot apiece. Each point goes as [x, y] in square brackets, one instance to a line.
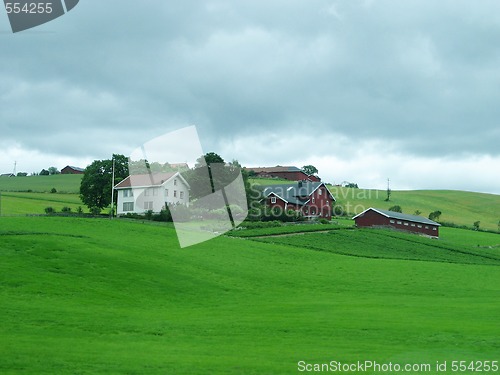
[419, 74]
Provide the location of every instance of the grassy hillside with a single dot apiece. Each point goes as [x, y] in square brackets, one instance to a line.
[114, 297]
[35, 203]
[63, 183]
[459, 207]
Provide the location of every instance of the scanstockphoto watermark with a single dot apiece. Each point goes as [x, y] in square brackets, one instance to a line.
[363, 366]
[171, 171]
[345, 202]
[26, 14]
[455, 366]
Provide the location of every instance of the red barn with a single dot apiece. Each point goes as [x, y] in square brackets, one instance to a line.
[312, 199]
[72, 170]
[374, 217]
[287, 173]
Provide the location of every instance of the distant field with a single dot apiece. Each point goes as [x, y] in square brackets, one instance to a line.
[97, 296]
[13, 203]
[63, 183]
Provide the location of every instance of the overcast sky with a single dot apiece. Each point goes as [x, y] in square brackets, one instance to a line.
[363, 90]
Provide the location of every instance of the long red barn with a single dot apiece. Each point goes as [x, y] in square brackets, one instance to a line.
[375, 217]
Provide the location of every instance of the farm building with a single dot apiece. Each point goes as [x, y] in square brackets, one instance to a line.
[313, 199]
[7, 175]
[374, 217]
[287, 173]
[144, 192]
[72, 170]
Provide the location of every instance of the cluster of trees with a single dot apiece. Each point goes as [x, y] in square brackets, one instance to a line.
[48, 172]
[97, 181]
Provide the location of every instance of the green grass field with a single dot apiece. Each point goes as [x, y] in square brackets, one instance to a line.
[63, 183]
[90, 296]
[35, 203]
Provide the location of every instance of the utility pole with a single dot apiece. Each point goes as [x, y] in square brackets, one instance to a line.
[388, 191]
[15, 167]
[112, 213]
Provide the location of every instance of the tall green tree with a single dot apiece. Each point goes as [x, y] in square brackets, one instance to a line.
[95, 188]
[310, 169]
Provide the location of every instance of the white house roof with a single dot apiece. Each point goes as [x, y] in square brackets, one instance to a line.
[400, 216]
[152, 179]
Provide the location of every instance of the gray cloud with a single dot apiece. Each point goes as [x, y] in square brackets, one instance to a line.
[420, 76]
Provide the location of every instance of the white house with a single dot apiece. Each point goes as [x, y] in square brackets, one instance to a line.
[144, 192]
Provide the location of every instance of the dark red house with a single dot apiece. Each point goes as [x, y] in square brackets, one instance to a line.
[72, 170]
[287, 173]
[312, 199]
[374, 217]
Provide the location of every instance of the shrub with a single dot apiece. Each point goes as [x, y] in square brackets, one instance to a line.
[53, 190]
[148, 214]
[95, 210]
[66, 209]
[476, 225]
[163, 215]
[79, 210]
[435, 215]
[324, 221]
[49, 210]
[396, 208]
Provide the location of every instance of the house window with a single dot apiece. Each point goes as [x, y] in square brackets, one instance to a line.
[127, 193]
[426, 227]
[398, 222]
[412, 224]
[128, 206]
[320, 192]
[146, 192]
[175, 182]
[166, 192]
[313, 200]
[419, 226]
[175, 193]
[405, 223]
[155, 192]
[181, 194]
[148, 205]
[433, 228]
[273, 199]
[391, 221]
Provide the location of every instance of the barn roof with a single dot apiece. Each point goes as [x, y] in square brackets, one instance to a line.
[296, 193]
[275, 169]
[75, 168]
[400, 216]
[141, 180]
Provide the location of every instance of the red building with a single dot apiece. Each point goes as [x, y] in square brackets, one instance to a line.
[72, 170]
[287, 173]
[312, 199]
[374, 217]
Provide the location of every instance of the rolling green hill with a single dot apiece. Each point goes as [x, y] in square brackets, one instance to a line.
[113, 297]
[63, 183]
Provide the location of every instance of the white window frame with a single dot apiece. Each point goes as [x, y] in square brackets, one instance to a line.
[128, 206]
[273, 200]
[148, 205]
